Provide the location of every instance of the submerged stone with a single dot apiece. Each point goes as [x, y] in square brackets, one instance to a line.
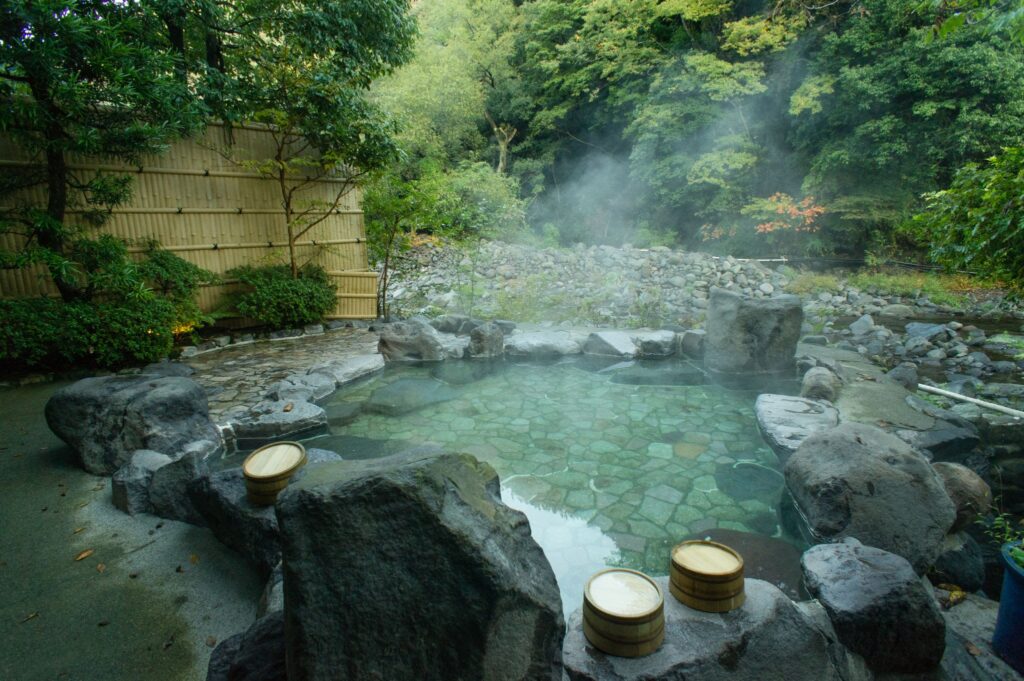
[775, 561]
[750, 480]
[408, 394]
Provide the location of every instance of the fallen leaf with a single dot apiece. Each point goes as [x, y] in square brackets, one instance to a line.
[211, 641]
[83, 504]
[956, 598]
[101, 568]
[972, 649]
[78, 529]
[84, 554]
[194, 559]
[102, 623]
[30, 616]
[288, 407]
[179, 569]
[98, 487]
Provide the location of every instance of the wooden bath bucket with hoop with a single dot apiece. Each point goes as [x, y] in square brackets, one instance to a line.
[707, 576]
[268, 470]
[623, 613]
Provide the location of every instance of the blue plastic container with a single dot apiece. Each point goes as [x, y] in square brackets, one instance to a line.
[1008, 639]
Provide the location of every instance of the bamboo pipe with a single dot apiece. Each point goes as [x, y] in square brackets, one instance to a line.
[161, 170]
[255, 244]
[963, 398]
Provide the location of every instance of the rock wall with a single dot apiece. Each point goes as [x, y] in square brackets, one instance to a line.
[599, 284]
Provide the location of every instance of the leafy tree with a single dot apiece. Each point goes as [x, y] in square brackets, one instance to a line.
[304, 69]
[978, 222]
[92, 78]
[469, 202]
[888, 114]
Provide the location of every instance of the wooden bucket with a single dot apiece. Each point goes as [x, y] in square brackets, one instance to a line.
[623, 613]
[268, 470]
[707, 576]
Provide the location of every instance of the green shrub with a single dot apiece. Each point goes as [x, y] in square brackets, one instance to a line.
[127, 332]
[940, 289]
[278, 300]
[810, 282]
[35, 333]
[178, 281]
[43, 332]
[978, 223]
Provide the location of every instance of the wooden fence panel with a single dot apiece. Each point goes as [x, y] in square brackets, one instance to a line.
[218, 214]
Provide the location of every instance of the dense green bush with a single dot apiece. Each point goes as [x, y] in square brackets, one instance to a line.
[978, 223]
[178, 281]
[44, 332]
[128, 312]
[278, 300]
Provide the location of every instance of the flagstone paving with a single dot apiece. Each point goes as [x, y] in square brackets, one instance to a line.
[239, 375]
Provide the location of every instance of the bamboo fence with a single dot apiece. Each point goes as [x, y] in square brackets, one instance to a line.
[201, 202]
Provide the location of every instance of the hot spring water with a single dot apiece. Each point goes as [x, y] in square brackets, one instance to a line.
[613, 465]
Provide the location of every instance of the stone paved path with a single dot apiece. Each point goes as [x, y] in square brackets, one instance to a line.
[238, 375]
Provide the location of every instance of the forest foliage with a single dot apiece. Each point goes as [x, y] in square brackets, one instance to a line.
[742, 126]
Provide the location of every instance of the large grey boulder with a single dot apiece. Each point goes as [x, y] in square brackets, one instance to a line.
[277, 420]
[862, 326]
[455, 323]
[950, 437]
[785, 421]
[611, 344]
[105, 419]
[691, 343]
[411, 568]
[256, 654]
[767, 639]
[130, 484]
[820, 383]
[349, 369]
[220, 498]
[251, 530]
[857, 481]
[544, 344]
[960, 563]
[970, 494]
[486, 340]
[748, 335]
[411, 340]
[904, 373]
[878, 606]
[655, 343]
[302, 388]
[168, 489]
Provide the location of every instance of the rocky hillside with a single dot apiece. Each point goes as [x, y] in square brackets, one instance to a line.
[604, 285]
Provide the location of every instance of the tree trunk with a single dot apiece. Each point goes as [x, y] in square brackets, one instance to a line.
[382, 295]
[176, 36]
[51, 235]
[502, 156]
[503, 135]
